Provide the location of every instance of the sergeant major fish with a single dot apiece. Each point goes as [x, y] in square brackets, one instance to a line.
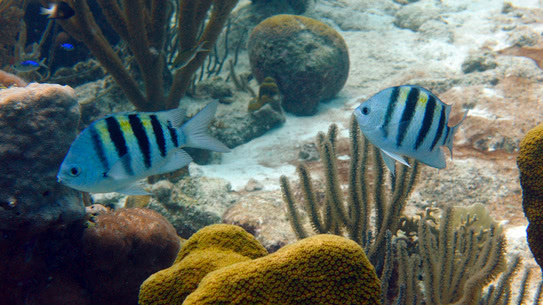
[113, 153]
[407, 121]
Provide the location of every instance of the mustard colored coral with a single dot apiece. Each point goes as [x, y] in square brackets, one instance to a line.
[530, 164]
[211, 248]
[322, 269]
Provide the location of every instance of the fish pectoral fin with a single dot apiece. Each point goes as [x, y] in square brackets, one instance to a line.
[389, 158]
[133, 189]
[176, 160]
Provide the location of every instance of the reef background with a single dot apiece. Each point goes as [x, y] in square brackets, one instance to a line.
[455, 56]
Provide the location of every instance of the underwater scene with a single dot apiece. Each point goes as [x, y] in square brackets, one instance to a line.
[271, 152]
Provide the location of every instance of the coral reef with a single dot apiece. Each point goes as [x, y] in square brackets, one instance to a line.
[38, 124]
[145, 27]
[531, 179]
[122, 249]
[308, 59]
[209, 249]
[323, 269]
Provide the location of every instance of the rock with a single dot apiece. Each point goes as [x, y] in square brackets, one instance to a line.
[38, 124]
[479, 62]
[192, 203]
[308, 59]
[215, 87]
[413, 16]
[264, 215]
[242, 125]
[122, 249]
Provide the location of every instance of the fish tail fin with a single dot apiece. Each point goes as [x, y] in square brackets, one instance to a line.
[195, 130]
[450, 139]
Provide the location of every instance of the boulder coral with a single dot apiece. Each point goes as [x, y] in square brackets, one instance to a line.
[322, 269]
[308, 59]
[209, 249]
[122, 249]
[531, 179]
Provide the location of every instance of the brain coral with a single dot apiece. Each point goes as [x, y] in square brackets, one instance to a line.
[308, 59]
[323, 269]
[530, 164]
[209, 249]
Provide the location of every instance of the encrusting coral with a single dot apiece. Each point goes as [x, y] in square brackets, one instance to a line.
[144, 25]
[209, 249]
[529, 162]
[322, 269]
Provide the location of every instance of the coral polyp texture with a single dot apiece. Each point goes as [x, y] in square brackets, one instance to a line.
[531, 179]
[307, 58]
[323, 269]
[209, 249]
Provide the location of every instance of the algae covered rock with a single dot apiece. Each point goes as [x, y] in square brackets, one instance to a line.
[209, 249]
[38, 124]
[323, 269]
[308, 59]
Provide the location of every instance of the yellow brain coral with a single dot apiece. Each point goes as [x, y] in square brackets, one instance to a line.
[323, 269]
[530, 164]
[211, 248]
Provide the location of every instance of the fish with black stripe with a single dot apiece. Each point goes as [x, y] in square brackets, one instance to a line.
[407, 121]
[113, 153]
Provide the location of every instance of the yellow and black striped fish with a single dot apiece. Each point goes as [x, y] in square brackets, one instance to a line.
[113, 153]
[407, 121]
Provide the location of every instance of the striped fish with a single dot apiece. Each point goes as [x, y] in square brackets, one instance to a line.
[113, 153]
[407, 121]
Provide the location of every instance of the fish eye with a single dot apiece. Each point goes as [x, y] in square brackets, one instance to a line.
[365, 110]
[75, 171]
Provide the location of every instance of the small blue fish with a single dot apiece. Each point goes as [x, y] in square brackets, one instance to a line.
[113, 153]
[407, 121]
[28, 65]
[67, 46]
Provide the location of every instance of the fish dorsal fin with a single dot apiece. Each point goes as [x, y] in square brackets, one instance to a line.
[133, 189]
[389, 158]
[174, 117]
[174, 161]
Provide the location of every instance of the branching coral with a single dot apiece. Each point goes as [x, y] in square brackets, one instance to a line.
[209, 249]
[323, 269]
[143, 25]
[531, 180]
